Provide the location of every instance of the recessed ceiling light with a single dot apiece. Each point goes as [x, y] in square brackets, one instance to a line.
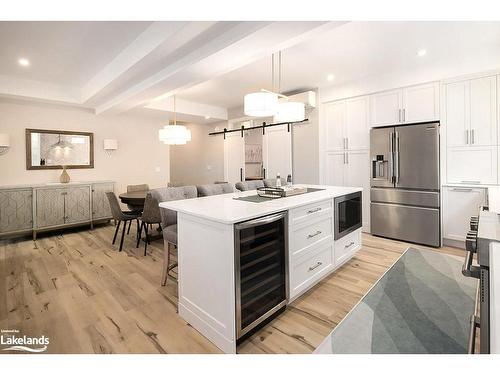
[23, 62]
[207, 117]
[421, 52]
[330, 77]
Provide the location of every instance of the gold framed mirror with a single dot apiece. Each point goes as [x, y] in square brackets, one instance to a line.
[53, 149]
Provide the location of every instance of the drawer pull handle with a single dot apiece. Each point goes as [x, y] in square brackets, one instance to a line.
[463, 190]
[314, 234]
[349, 245]
[471, 182]
[314, 210]
[316, 266]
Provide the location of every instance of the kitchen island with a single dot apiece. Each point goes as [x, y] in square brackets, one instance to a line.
[209, 250]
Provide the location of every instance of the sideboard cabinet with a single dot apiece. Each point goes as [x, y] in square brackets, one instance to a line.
[25, 209]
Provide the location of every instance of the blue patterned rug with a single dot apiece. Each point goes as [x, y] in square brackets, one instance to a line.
[422, 304]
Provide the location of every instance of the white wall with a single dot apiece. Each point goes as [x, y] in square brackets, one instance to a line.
[139, 150]
[200, 161]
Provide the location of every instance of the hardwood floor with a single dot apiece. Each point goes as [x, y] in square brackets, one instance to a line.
[78, 290]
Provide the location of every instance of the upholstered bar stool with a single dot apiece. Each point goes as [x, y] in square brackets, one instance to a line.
[214, 189]
[169, 222]
[249, 185]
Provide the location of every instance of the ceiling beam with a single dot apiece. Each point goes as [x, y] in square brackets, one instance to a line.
[188, 108]
[234, 47]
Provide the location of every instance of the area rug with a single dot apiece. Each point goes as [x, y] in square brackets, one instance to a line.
[422, 304]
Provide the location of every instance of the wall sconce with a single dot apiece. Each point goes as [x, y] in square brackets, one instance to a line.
[110, 145]
[4, 143]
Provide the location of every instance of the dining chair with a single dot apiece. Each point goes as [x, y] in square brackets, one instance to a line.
[214, 189]
[119, 216]
[132, 188]
[150, 215]
[249, 185]
[169, 222]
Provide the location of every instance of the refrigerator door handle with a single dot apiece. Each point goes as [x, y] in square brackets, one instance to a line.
[396, 166]
[390, 172]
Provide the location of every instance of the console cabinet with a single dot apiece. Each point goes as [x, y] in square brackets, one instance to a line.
[16, 210]
[37, 208]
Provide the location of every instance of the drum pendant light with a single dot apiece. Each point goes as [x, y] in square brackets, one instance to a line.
[174, 134]
[288, 111]
[261, 103]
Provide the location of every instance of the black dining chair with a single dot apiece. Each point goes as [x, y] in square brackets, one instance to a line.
[119, 216]
[150, 215]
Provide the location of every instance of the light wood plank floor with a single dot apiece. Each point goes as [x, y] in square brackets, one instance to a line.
[77, 289]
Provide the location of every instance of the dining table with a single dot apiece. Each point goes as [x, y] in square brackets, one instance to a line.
[134, 199]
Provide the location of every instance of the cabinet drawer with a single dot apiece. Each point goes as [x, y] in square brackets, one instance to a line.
[305, 271]
[305, 213]
[472, 165]
[305, 237]
[347, 246]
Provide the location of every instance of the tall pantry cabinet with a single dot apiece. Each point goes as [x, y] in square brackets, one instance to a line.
[347, 147]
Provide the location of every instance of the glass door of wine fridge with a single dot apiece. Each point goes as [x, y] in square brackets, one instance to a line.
[261, 252]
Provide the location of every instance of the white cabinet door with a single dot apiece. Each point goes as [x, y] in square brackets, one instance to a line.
[457, 114]
[234, 158]
[335, 168]
[357, 128]
[357, 172]
[385, 108]
[335, 125]
[483, 111]
[421, 103]
[472, 165]
[459, 204]
[277, 151]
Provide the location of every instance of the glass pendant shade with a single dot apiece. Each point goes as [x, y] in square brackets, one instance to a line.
[174, 135]
[260, 104]
[290, 112]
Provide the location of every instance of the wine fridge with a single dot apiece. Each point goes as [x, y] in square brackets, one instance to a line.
[261, 270]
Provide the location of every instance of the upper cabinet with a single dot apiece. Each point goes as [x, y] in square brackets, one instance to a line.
[471, 112]
[470, 119]
[421, 103]
[385, 108]
[357, 128]
[347, 126]
[411, 104]
[483, 111]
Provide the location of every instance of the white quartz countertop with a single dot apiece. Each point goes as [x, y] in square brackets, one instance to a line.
[224, 209]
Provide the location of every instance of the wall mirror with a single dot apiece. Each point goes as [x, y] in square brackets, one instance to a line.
[53, 149]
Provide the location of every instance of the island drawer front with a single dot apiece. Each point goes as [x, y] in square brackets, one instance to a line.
[347, 246]
[305, 237]
[305, 213]
[306, 271]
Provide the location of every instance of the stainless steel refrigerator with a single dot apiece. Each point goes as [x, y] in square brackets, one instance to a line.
[405, 185]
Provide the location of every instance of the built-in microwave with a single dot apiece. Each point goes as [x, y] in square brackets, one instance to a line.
[348, 215]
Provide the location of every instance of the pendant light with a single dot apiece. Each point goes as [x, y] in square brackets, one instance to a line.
[61, 145]
[288, 111]
[261, 103]
[174, 134]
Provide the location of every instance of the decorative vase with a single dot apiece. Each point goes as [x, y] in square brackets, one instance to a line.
[64, 178]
